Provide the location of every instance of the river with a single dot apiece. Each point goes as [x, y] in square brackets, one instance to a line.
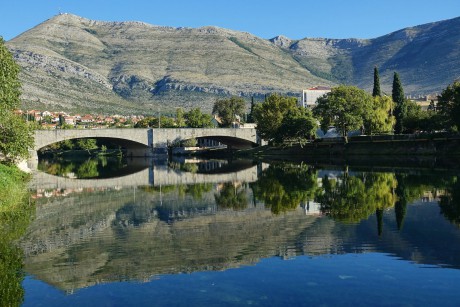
[193, 233]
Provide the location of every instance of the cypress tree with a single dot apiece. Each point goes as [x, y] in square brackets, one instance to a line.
[400, 104]
[376, 90]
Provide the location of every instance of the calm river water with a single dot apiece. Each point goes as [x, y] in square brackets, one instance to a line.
[219, 233]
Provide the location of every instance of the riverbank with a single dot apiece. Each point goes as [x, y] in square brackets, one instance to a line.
[13, 188]
[410, 151]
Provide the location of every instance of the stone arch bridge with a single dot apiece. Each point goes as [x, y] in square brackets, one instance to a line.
[148, 142]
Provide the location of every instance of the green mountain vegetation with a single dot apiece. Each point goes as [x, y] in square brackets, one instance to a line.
[76, 64]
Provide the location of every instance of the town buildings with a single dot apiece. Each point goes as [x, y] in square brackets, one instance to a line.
[309, 96]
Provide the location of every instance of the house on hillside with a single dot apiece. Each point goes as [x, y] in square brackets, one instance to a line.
[309, 96]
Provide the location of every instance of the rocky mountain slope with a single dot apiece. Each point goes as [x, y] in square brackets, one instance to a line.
[76, 64]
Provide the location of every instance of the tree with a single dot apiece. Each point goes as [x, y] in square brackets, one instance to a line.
[15, 133]
[345, 107]
[196, 119]
[232, 196]
[449, 104]
[283, 187]
[269, 115]
[229, 109]
[10, 87]
[87, 144]
[297, 125]
[180, 119]
[400, 110]
[376, 91]
[250, 118]
[354, 198]
[378, 121]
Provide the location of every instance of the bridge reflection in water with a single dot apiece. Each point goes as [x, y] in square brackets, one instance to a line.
[150, 174]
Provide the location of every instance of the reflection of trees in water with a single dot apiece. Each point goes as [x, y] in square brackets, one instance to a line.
[88, 169]
[284, 187]
[13, 224]
[351, 199]
[82, 169]
[195, 190]
[232, 196]
[450, 203]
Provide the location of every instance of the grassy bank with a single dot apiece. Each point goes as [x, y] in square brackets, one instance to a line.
[13, 190]
[15, 215]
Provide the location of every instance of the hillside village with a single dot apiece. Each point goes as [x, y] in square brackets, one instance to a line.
[52, 120]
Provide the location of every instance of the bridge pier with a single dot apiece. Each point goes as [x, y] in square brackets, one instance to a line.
[32, 161]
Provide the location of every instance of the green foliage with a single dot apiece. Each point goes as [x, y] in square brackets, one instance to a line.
[88, 169]
[376, 90]
[417, 119]
[232, 196]
[379, 120]
[250, 117]
[86, 144]
[15, 133]
[198, 190]
[400, 110]
[228, 109]
[345, 107]
[189, 143]
[297, 125]
[10, 88]
[351, 199]
[450, 203]
[283, 187]
[15, 137]
[146, 122]
[180, 119]
[153, 122]
[196, 119]
[166, 122]
[449, 104]
[15, 215]
[269, 115]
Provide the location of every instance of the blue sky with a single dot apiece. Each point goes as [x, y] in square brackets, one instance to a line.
[293, 18]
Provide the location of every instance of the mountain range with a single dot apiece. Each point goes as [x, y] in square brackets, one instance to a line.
[76, 64]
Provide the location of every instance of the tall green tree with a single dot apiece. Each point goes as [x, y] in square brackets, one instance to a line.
[400, 109]
[269, 115]
[180, 119]
[345, 107]
[449, 104]
[10, 87]
[229, 109]
[376, 90]
[250, 118]
[15, 134]
[378, 121]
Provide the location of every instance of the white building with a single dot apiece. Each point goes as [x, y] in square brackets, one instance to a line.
[308, 99]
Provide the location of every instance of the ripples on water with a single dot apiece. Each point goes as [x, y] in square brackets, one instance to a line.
[265, 235]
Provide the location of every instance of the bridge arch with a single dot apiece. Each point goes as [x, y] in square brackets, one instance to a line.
[235, 137]
[137, 141]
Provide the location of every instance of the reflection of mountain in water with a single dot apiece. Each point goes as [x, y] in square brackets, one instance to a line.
[119, 235]
[139, 232]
